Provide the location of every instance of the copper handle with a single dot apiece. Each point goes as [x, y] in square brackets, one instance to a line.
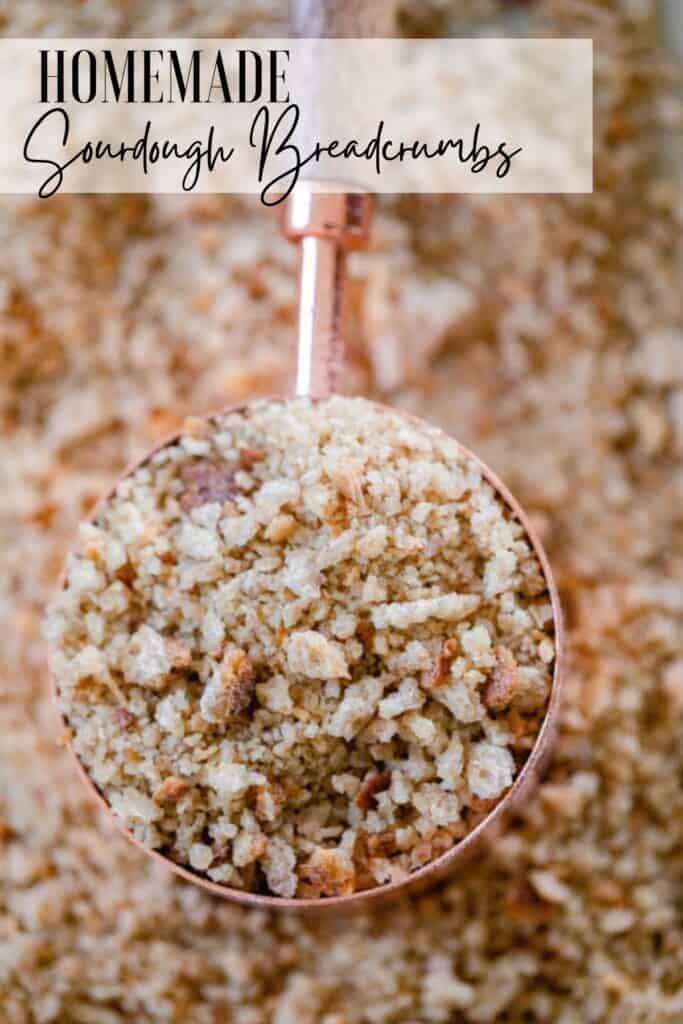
[327, 222]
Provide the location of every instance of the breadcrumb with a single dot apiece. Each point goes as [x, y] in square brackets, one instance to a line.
[263, 660]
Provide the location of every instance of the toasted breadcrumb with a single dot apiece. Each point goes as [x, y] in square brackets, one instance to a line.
[506, 682]
[230, 690]
[282, 660]
[310, 654]
[170, 791]
[375, 783]
[381, 844]
[328, 873]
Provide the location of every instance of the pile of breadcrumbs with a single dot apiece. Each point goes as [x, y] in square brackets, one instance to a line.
[544, 332]
[303, 648]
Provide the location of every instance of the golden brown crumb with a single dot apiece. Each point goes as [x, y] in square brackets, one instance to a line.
[170, 791]
[230, 692]
[248, 847]
[524, 728]
[328, 873]
[442, 667]
[506, 682]
[365, 631]
[269, 801]
[375, 783]
[348, 478]
[434, 845]
[181, 656]
[125, 574]
[478, 809]
[93, 552]
[381, 844]
[250, 456]
[281, 528]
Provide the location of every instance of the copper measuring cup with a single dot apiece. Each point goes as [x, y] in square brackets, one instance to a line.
[327, 224]
[327, 221]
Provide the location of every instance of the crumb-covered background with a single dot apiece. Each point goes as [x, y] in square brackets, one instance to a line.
[546, 333]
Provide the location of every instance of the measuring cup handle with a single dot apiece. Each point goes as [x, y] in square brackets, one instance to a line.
[327, 221]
